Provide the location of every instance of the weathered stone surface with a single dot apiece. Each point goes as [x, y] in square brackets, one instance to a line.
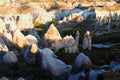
[54, 65]
[53, 36]
[32, 39]
[71, 44]
[87, 41]
[19, 39]
[80, 60]
[2, 25]
[3, 46]
[24, 21]
[10, 57]
[34, 33]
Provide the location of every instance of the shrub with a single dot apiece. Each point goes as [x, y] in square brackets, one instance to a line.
[68, 31]
[54, 22]
[113, 26]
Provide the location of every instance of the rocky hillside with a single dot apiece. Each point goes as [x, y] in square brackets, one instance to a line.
[46, 40]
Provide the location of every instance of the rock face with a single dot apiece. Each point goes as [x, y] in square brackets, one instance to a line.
[18, 21]
[53, 36]
[104, 14]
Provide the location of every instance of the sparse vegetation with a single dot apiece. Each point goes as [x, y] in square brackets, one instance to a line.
[113, 26]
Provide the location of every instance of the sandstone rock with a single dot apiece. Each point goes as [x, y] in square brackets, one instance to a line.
[3, 46]
[32, 39]
[70, 44]
[7, 37]
[87, 41]
[10, 57]
[9, 21]
[34, 48]
[24, 21]
[53, 36]
[2, 25]
[20, 40]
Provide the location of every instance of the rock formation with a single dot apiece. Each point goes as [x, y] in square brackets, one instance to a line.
[20, 40]
[87, 41]
[32, 39]
[53, 37]
[70, 44]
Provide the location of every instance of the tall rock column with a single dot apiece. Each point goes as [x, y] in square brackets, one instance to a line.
[87, 41]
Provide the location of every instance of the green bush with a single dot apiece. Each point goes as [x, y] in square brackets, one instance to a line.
[113, 26]
[54, 22]
[68, 31]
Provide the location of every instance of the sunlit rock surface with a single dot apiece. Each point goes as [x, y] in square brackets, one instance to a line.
[20, 40]
[53, 37]
[70, 44]
[87, 41]
[32, 39]
[3, 46]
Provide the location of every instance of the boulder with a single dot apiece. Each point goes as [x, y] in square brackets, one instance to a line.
[54, 65]
[78, 76]
[80, 60]
[32, 39]
[10, 57]
[93, 74]
[34, 33]
[4, 78]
